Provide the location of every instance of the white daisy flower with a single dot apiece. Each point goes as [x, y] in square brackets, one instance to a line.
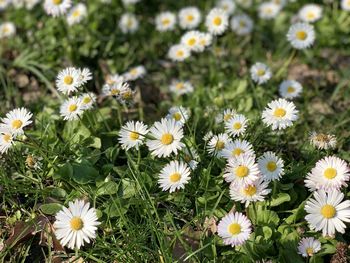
[244, 3]
[260, 73]
[228, 5]
[57, 7]
[68, 80]
[308, 246]
[7, 29]
[130, 2]
[132, 134]
[4, 4]
[253, 192]
[191, 40]
[71, 109]
[217, 21]
[241, 170]
[234, 229]
[87, 100]
[327, 212]
[227, 115]
[115, 88]
[181, 87]
[111, 79]
[165, 21]
[290, 89]
[6, 139]
[76, 14]
[242, 24]
[135, 73]
[179, 52]
[126, 95]
[191, 157]
[238, 147]
[31, 3]
[237, 125]
[280, 114]
[301, 35]
[271, 166]
[310, 13]
[189, 17]
[323, 141]
[76, 224]
[16, 120]
[84, 75]
[217, 144]
[128, 23]
[345, 5]
[179, 114]
[205, 40]
[167, 138]
[268, 10]
[330, 173]
[174, 176]
[208, 136]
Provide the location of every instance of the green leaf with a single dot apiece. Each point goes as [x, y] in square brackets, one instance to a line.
[64, 172]
[107, 188]
[280, 199]
[58, 192]
[84, 173]
[50, 209]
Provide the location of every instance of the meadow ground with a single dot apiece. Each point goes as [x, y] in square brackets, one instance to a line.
[174, 131]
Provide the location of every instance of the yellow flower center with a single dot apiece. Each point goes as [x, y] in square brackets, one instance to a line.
[242, 171]
[179, 85]
[227, 117]
[301, 35]
[76, 13]
[290, 89]
[190, 18]
[328, 211]
[76, 223]
[260, 72]
[134, 136]
[72, 108]
[237, 126]
[219, 145]
[57, 2]
[310, 251]
[115, 91]
[234, 229]
[217, 21]
[127, 95]
[191, 42]
[133, 71]
[86, 100]
[180, 53]
[310, 15]
[271, 166]
[177, 116]
[167, 139]
[68, 80]
[242, 23]
[330, 173]
[166, 22]
[7, 138]
[279, 112]
[175, 177]
[16, 124]
[237, 151]
[250, 190]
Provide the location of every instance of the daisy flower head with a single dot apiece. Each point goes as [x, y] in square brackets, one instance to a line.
[114, 78]
[84, 75]
[132, 134]
[242, 24]
[6, 139]
[268, 10]
[165, 21]
[130, 2]
[238, 147]
[310, 13]
[330, 173]
[166, 138]
[31, 3]
[16, 120]
[308, 246]
[301, 35]
[76, 14]
[237, 125]
[323, 141]
[234, 229]
[87, 100]
[244, 3]
[191, 40]
[260, 73]
[115, 87]
[174, 176]
[189, 17]
[181, 87]
[135, 73]
[71, 109]
[290, 89]
[7, 29]
[208, 136]
[128, 23]
[327, 212]
[217, 144]
[179, 52]
[280, 114]
[76, 224]
[179, 114]
[68, 80]
[253, 192]
[241, 170]
[227, 115]
[57, 7]
[4, 4]
[191, 157]
[228, 6]
[345, 5]
[126, 95]
[205, 40]
[217, 21]
[271, 166]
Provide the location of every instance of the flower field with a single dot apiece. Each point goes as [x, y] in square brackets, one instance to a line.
[174, 131]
